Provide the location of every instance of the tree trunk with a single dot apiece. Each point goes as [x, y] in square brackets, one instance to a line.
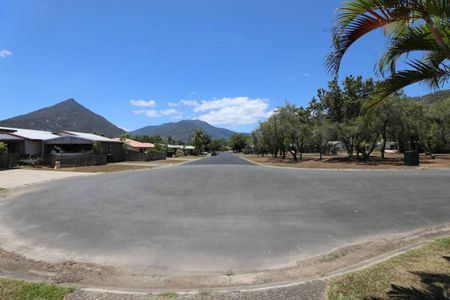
[294, 154]
[384, 137]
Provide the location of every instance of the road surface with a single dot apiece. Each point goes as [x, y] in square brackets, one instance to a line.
[218, 214]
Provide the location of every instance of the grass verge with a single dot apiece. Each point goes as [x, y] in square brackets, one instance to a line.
[168, 295]
[422, 273]
[19, 290]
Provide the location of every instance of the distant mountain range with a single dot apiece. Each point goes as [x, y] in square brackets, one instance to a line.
[71, 115]
[66, 115]
[183, 130]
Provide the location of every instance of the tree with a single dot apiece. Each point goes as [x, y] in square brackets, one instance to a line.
[321, 131]
[342, 105]
[125, 136]
[238, 142]
[218, 145]
[200, 141]
[411, 26]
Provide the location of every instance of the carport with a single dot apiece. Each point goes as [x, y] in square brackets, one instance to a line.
[71, 144]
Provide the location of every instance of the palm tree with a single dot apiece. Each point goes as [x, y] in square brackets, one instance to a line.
[199, 140]
[411, 26]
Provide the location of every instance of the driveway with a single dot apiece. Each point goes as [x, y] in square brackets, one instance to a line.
[218, 214]
[18, 178]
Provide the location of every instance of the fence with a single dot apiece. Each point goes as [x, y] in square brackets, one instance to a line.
[78, 159]
[137, 156]
[8, 160]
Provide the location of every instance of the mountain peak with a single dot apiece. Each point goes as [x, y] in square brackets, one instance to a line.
[183, 130]
[69, 101]
[65, 115]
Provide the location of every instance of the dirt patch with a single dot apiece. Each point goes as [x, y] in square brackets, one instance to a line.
[70, 272]
[391, 161]
[340, 260]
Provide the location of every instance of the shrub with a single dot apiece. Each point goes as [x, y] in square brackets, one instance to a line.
[3, 148]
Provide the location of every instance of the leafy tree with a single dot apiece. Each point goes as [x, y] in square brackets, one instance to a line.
[411, 26]
[125, 136]
[238, 142]
[200, 141]
[321, 131]
[343, 105]
[335, 114]
[217, 145]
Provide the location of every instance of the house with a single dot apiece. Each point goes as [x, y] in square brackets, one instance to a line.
[181, 147]
[27, 142]
[135, 146]
[336, 145]
[187, 149]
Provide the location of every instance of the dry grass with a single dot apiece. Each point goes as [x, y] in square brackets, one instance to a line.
[375, 282]
[109, 168]
[172, 161]
[391, 161]
[106, 168]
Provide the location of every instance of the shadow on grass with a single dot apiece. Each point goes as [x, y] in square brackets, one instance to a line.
[435, 287]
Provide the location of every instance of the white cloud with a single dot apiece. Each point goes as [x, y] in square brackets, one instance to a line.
[151, 113]
[143, 103]
[5, 53]
[169, 112]
[233, 111]
[189, 103]
[226, 111]
[306, 74]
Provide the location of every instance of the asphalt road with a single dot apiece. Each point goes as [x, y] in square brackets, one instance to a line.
[218, 214]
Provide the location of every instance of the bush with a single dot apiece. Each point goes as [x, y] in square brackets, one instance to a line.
[31, 161]
[3, 148]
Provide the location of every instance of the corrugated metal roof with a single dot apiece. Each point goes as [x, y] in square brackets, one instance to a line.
[184, 147]
[68, 140]
[31, 134]
[41, 135]
[92, 137]
[9, 137]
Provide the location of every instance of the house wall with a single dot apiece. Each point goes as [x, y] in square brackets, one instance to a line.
[15, 146]
[117, 151]
[32, 147]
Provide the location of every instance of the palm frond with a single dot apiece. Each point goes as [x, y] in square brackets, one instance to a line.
[429, 73]
[359, 17]
[414, 39]
[438, 8]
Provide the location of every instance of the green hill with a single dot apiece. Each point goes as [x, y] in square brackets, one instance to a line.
[183, 130]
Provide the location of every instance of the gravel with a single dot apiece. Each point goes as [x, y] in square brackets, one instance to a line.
[314, 290]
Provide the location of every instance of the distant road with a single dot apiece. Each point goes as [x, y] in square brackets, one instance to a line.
[221, 213]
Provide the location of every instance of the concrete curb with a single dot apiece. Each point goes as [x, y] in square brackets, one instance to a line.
[405, 169]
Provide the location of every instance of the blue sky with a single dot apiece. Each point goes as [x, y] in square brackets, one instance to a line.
[138, 63]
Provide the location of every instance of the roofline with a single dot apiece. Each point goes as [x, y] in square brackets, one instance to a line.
[7, 130]
[62, 137]
[23, 137]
